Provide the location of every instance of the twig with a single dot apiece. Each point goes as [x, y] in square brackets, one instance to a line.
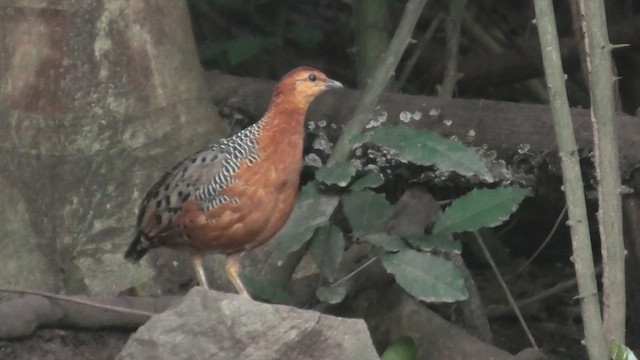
[379, 81]
[507, 293]
[544, 243]
[78, 301]
[422, 44]
[572, 178]
[601, 81]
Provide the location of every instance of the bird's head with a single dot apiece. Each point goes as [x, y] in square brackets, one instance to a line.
[301, 85]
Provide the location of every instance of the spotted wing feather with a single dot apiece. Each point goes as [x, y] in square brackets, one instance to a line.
[197, 181]
[165, 200]
[182, 183]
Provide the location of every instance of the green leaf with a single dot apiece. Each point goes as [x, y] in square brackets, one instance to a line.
[339, 174]
[441, 242]
[243, 47]
[331, 294]
[365, 210]
[371, 181]
[425, 276]
[327, 247]
[480, 208]
[424, 147]
[312, 211]
[403, 348]
[386, 241]
[305, 35]
[621, 352]
[266, 290]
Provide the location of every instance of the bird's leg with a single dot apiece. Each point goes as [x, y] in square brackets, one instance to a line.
[232, 268]
[197, 264]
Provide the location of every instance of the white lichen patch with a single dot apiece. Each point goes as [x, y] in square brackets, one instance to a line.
[523, 148]
[321, 142]
[405, 116]
[377, 120]
[312, 160]
[417, 115]
[434, 112]
[102, 44]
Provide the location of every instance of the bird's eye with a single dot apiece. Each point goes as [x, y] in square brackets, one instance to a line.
[312, 77]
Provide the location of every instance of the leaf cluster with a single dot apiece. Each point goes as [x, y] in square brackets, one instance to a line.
[420, 262]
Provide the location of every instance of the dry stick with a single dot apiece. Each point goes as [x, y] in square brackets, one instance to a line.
[572, 178]
[422, 44]
[544, 243]
[507, 293]
[379, 80]
[452, 27]
[601, 81]
[78, 301]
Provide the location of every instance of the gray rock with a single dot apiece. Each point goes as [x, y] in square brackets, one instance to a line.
[220, 326]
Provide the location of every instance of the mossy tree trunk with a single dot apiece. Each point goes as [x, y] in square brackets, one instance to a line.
[97, 99]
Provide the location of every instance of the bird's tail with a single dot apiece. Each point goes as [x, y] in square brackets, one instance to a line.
[138, 248]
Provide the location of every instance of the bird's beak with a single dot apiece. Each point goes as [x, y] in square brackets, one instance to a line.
[332, 84]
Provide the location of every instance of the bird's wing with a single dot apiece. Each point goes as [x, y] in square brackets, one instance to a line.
[194, 178]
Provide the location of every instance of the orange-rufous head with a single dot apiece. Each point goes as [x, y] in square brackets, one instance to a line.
[302, 85]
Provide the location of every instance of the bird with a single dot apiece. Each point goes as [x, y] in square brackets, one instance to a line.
[238, 192]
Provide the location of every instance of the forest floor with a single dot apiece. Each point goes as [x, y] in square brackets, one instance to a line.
[555, 323]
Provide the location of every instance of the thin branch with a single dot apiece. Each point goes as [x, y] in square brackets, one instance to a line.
[572, 178]
[452, 27]
[487, 41]
[348, 276]
[78, 301]
[422, 44]
[379, 81]
[498, 311]
[505, 288]
[371, 32]
[546, 241]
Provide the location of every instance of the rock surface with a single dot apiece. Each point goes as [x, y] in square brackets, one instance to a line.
[100, 105]
[219, 326]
